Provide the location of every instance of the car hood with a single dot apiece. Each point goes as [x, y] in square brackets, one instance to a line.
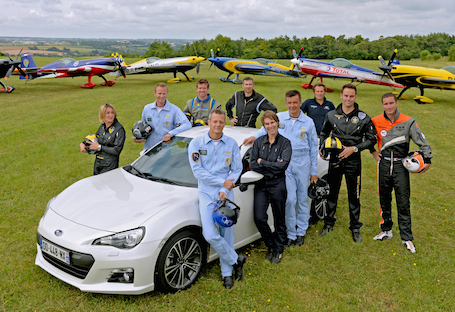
[117, 200]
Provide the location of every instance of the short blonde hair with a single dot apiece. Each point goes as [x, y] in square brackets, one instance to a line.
[103, 109]
[162, 85]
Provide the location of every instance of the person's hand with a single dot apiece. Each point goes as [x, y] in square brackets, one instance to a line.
[222, 195]
[229, 184]
[346, 152]
[376, 155]
[249, 140]
[313, 179]
[425, 168]
[259, 160]
[139, 140]
[94, 145]
[82, 148]
[234, 120]
[167, 137]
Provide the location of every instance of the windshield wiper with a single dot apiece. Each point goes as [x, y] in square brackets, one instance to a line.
[140, 173]
[166, 181]
[151, 177]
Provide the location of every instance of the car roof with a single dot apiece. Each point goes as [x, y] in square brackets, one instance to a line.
[237, 133]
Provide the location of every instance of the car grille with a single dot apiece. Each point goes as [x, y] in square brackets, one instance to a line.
[80, 263]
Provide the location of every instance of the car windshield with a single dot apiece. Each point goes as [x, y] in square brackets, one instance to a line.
[167, 162]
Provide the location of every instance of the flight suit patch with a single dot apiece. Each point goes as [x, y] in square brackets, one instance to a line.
[195, 156]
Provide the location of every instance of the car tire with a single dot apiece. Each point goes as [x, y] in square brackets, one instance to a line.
[180, 261]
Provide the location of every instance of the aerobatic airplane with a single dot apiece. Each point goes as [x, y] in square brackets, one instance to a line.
[419, 77]
[155, 65]
[68, 67]
[7, 67]
[259, 66]
[340, 68]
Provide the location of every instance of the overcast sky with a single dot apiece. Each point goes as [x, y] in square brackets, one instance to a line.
[191, 19]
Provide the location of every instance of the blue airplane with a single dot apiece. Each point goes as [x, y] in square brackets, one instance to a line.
[259, 66]
[68, 67]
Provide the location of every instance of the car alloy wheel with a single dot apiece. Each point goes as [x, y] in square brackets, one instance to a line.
[180, 261]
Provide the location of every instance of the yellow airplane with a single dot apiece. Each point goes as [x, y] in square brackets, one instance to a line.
[155, 65]
[418, 77]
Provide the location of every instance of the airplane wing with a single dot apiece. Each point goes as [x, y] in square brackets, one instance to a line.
[247, 67]
[78, 70]
[435, 81]
[330, 75]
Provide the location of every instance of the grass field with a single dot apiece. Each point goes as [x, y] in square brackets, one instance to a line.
[43, 122]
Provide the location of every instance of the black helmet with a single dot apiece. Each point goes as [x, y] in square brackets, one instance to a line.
[223, 215]
[89, 139]
[190, 117]
[319, 190]
[141, 130]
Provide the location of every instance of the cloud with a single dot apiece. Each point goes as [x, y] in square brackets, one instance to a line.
[191, 19]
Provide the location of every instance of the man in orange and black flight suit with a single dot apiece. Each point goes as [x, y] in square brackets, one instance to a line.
[395, 130]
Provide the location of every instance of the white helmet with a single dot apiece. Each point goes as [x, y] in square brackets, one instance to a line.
[414, 161]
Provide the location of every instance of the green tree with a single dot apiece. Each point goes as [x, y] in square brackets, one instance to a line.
[436, 56]
[161, 49]
[452, 53]
[424, 55]
[227, 46]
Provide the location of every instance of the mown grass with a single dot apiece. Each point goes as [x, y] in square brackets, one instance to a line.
[42, 123]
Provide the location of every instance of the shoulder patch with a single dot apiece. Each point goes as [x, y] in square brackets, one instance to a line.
[362, 115]
[196, 156]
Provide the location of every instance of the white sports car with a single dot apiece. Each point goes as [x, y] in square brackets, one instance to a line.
[136, 228]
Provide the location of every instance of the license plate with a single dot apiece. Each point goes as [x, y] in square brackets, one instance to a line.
[56, 252]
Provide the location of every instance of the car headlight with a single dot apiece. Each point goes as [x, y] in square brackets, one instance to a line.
[49, 205]
[127, 239]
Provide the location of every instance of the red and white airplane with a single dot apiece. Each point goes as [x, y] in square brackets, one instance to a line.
[68, 67]
[340, 68]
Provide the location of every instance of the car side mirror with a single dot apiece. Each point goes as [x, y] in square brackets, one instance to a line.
[249, 177]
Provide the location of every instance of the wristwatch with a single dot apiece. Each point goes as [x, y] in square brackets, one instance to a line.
[99, 148]
[356, 149]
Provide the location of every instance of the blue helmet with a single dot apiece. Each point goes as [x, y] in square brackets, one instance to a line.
[223, 215]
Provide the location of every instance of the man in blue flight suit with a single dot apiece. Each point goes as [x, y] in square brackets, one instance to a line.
[166, 118]
[216, 163]
[301, 131]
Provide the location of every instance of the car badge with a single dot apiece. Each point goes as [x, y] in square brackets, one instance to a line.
[58, 232]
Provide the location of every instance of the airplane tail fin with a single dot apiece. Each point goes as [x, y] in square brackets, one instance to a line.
[27, 63]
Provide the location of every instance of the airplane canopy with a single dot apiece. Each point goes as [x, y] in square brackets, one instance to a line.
[450, 69]
[152, 59]
[66, 60]
[341, 62]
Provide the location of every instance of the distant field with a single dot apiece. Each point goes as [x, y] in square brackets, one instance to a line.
[13, 50]
[43, 122]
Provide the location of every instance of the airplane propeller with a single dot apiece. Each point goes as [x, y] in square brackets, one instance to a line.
[387, 68]
[15, 65]
[213, 55]
[198, 65]
[297, 57]
[118, 62]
